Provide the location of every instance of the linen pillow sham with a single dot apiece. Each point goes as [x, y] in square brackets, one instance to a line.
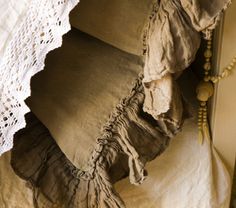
[56, 182]
[81, 85]
[81, 92]
[120, 23]
[90, 98]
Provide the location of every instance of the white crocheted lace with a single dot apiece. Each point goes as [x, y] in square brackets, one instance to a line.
[40, 32]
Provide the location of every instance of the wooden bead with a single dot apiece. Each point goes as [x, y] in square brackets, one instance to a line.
[225, 73]
[208, 46]
[209, 42]
[214, 79]
[229, 67]
[204, 92]
[207, 66]
[208, 53]
[203, 103]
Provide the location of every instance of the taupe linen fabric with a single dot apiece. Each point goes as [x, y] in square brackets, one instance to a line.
[90, 97]
[172, 41]
[131, 139]
[120, 23]
[81, 85]
[14, 192]
[168, 31]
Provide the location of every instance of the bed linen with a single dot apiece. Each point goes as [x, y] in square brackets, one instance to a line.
[180, 172]
[15, 193]
[186, 175]
[11, 15]
[120, 23]
[47, 28]
[156, 79]
[83, 83]
[157, 190]
[170, 39]
[98, 130]
[39, 31]
[174, 178]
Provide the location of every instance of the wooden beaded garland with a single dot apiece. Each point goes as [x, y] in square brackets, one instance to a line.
[205, 89]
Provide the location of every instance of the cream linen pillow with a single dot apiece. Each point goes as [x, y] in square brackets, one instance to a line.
[120, 23]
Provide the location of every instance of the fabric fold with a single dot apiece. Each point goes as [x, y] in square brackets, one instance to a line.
[55, 181]
[171, 40]
[204, 15]
[129, 140]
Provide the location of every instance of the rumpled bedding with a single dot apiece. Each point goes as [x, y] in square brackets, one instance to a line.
[57, 182]
[171, 40]
[187, 175]
[14, 191]
[81, 98]
[129, 137]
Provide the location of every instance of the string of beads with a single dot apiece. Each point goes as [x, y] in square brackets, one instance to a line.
[205, 89]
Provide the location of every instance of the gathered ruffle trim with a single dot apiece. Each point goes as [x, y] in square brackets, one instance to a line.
[115, 128]
[170, 41]
[130, 138]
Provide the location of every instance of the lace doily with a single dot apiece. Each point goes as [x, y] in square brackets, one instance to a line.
[40, 32]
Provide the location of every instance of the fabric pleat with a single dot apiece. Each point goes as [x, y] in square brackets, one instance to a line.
[130, 139]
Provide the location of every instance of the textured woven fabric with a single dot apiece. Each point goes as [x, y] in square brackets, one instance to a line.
[130, 139]
[187, 175]
[172, 27]
[120, 23]
[172, 40]
[81, 85]
[11, 14]
[14, 192]
[185, 168]
[166, 31]
[38, 32]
